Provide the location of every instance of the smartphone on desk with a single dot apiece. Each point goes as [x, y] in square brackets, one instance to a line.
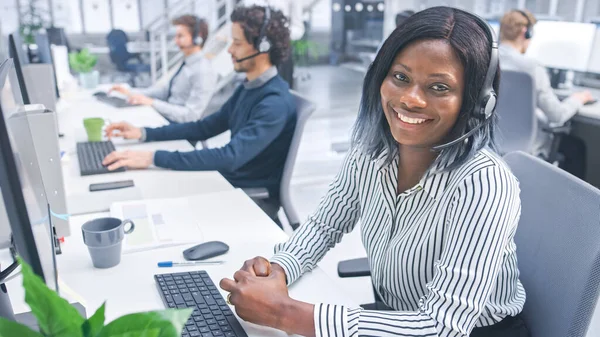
[113, 185]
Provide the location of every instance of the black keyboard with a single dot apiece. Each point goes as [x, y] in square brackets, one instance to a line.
[116, 102]
[91, 155]
[212, 317]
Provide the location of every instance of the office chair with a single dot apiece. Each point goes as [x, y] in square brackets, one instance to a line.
[517, 121]
[120, 56]
[304, 109]
[558, 248]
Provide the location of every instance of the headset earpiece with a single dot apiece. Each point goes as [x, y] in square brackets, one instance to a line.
[529, 31]
[262, 42]
[197, 40]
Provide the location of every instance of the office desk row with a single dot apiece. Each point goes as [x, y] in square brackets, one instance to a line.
[222, 212]
[153, 183]
[130, 287]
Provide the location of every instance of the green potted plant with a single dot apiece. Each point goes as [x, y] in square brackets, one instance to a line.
[57, 318]
[84, 62]
[304, 51]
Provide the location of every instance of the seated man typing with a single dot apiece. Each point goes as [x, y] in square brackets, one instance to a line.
[261, 115]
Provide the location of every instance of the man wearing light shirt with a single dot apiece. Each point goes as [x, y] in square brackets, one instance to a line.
[185, 96]
[514, 41]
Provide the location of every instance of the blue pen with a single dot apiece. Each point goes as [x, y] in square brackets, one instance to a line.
[168, 264]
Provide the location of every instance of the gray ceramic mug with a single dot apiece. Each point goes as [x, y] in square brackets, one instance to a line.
[104, 239]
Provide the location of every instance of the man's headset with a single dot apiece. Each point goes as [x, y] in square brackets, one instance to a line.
[262, 43]
[529, 31]
[486, 102]
[197, 40]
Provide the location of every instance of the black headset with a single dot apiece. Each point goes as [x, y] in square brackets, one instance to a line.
[529, 31]
[197, 40]
[487, 99]
[262, 43]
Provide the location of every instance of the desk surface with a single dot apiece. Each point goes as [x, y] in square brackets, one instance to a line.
[130, 287]
[587, 113]
[153, 183]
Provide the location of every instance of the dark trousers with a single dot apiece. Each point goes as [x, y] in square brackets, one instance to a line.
[286, 70]
[508, 327]
[573, 151]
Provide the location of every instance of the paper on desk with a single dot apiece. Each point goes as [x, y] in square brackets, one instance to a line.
[158, 223]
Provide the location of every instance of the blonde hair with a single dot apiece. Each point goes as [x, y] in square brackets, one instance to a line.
[513, 22]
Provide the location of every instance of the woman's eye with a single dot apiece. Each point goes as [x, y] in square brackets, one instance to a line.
[439, 87]
[400, 77]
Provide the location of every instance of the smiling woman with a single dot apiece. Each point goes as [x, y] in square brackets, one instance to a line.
[438, 207]
[432, 72]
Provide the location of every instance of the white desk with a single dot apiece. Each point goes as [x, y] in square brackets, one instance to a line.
[589, 114]
[230, 217]
[154, 183]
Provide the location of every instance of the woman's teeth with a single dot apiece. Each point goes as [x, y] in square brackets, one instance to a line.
[411, 120]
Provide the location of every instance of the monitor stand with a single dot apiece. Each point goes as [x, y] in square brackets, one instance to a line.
[26, 318]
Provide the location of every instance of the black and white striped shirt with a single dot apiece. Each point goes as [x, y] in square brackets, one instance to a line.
[442, 253]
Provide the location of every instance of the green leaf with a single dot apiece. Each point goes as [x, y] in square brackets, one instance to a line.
[168, 323]
[94, 324]
[10, 329]
[55, 316]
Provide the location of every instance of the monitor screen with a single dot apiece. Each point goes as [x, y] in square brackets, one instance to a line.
[13, 47]
[22, 187]
[562, 45]
[594, 64]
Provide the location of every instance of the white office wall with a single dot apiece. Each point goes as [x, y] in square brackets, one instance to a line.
[151, 10]
[126, 15]
[96, 16]
[9, 22]
[321, 16]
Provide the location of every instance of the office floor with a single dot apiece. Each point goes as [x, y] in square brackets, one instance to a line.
[336, 91]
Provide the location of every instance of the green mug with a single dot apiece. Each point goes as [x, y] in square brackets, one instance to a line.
[93, 128]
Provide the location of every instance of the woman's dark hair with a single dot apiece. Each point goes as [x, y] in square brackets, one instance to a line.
[471, 41]
[251, 19]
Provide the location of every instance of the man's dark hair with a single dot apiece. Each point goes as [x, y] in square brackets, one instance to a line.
[190, 21]
[251, 19]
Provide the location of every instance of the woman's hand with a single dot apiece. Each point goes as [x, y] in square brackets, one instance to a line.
[258, 266]
[259, 299]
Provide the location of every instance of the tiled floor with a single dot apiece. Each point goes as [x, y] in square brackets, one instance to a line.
[336, 91]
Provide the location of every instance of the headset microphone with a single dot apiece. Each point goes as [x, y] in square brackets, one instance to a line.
[248, 57]
[486, 102]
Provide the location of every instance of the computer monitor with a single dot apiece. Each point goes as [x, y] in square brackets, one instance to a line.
[19, 52]
[45, 55]
[14, 46]
[594, 64]
[562, 45]
[23, 191]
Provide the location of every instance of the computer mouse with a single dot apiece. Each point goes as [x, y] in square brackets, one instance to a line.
[99, 93]
[205, 251]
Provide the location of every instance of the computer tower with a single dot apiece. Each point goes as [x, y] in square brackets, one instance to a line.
[41, 123]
